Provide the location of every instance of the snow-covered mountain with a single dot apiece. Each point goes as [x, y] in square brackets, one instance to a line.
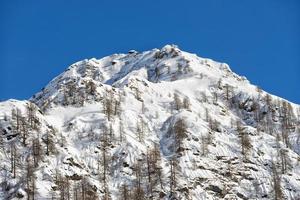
[161, 124]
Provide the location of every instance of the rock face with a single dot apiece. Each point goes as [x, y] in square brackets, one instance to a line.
[161, 124]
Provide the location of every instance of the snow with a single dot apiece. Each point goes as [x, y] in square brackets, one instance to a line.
[146, 83]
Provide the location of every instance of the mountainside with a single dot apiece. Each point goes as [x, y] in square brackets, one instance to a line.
[160, 124]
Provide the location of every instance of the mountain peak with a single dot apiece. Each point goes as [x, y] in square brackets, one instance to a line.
[167, 64]
[162, 124]
[170, 47]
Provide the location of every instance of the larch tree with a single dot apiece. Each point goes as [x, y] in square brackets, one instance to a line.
[31, 114]
[90, 87]
[179, 131]
[36, 152]
[105, 160]
[204, 143]
[177, 102]
[155, 163]
[30, 179]
[140, 128]
[276, 183]
[13, 158]
[173, 175]
[245, 141]
[49, 141]
[16, 116]
[125, 192]
[138, 192]
[186, 103]
[228, 92]
[24, 130]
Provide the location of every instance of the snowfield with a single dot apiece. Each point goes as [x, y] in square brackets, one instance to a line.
[160, 124]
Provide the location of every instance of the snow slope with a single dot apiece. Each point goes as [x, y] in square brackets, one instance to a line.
[105, 118]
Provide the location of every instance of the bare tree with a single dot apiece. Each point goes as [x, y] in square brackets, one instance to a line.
[288, 122]
[207, 117]
[215, 98]
[153, 170]
[204, 143]
[245, 141]
[156, 160]
[81, 97]
[69, 93]
[13, 158]
[48, 140]
[285, 160]
[64, 187]
[228, 91]
[30, 179]
[220, 84]
[173, 178]
[23, 130]
[91, 88]
[285, 135]
[83, 188]
[121, 131]
[16, 119]
[117, 108]
[149, 169]
[36, 151]
[179, 131]
[111, 105]
[125, 192]
[108, 108]
[256, 109]
[186, 103]
[140, 128]
[31, 114]
[138, 188]
[177, 102]
[276, 183]
[104, 143]
[5, 182]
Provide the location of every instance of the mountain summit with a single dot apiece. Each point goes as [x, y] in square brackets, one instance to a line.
[160, 124]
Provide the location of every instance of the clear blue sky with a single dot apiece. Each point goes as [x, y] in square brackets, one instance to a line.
[259, 39]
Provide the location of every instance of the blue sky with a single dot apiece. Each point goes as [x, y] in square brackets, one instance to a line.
[258, 39]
